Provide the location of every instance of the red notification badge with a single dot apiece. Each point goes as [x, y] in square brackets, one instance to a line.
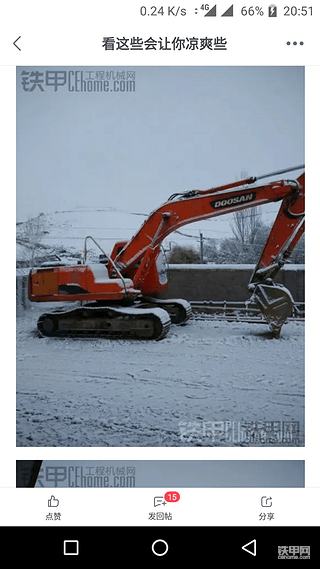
[172, 496]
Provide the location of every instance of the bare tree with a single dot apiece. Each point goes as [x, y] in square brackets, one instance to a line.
[30, 235]
[246, 225]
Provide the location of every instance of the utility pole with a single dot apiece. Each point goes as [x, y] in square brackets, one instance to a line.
[201, 248]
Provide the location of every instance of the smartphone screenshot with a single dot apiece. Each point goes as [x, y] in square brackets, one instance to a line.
[159, 394]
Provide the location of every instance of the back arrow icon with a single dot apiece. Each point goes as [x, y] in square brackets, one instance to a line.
[15, 43]
[252, 551]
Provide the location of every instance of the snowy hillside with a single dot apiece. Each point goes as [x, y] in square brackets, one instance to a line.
[65, 231]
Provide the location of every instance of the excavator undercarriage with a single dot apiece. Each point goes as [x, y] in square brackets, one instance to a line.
[108, 322]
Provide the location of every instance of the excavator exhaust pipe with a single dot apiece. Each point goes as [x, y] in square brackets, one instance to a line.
[275, 303]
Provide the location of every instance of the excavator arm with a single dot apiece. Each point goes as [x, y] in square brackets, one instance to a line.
[286, 231]
[274, 300]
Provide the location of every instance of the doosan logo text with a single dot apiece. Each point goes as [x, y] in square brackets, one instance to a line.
[227, 202]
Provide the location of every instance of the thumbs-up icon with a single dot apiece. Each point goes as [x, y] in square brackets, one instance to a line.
[53, 502]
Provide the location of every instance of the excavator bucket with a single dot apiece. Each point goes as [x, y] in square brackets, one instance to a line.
[275, 303]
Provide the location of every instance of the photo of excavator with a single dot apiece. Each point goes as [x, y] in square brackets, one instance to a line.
[123, 339]
[121, 295]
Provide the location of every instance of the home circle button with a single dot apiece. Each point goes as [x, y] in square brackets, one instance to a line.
[159, 547]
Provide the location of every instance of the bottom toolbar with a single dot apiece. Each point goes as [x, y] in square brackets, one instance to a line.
[179, 544]
[167, 507]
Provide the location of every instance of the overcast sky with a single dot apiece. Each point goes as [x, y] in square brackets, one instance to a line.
[182, 128]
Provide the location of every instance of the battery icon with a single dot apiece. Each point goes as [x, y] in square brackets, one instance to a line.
[272, 11]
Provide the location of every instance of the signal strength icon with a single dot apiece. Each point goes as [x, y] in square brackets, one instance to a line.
[212, 12]
[228, 12]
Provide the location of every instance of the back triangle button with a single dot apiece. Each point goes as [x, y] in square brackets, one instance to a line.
[250, 547]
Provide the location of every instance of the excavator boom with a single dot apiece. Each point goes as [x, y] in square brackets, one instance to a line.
[199, 205]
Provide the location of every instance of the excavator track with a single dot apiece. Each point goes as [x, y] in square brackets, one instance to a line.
[106, 321]
[179, 310]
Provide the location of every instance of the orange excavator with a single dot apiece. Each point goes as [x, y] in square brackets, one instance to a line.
[119, 296]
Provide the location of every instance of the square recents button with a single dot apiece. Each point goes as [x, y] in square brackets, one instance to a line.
[71, 547]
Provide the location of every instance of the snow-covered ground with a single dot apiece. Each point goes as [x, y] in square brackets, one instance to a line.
[209, 383]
